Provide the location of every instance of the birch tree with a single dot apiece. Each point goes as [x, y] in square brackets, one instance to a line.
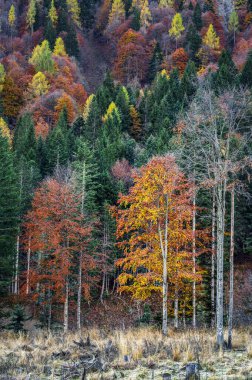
[215, 129]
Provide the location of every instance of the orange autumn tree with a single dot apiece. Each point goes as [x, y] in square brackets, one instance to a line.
[154, 229]
[57, 239]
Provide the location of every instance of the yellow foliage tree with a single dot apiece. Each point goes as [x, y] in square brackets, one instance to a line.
[2, 76]
[5, 131]
[74, 9]
[117, 13]
[177, 27]
[145, 15]
[39, 85]
[211, 39]
[87, 106]
[166, 4]
[59, 48]
[12, 16]
[111, 109]
[53, 15]
[31, 14]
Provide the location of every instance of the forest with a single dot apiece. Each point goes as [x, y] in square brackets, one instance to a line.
[125, 188]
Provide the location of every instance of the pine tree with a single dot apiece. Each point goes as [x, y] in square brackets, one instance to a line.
[246, 77]
[57, 144]
[135, 23]
[145, 15]
[59, 48]
[197, 17]
[177, 27]
[50, 33]
[85, 176]
[155, 62]
[189, 81]
[123, 104]
[31, 14]
[92, 120]
[87, 13]
[211, 39]
[8, 212]
[194, 42]
[71, 42]
[226, 76]
[117, 13]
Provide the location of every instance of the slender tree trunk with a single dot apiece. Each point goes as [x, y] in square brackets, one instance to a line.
[220, 258]
[176, 304]
[194, 261]
[184, 318]
[66, 305]
[16, 287]
[164, 249]
[231, 278]
[213, 261]
[28, 267]
[103, 285]
[79, 294]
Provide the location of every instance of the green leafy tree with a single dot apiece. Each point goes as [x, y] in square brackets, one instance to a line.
[41, 58]
[233, 23]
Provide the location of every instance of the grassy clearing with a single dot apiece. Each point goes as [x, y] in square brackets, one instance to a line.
[134, 352]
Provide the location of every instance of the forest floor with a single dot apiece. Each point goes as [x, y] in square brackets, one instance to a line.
[141, 353]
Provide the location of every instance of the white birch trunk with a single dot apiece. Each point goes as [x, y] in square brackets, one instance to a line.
[231, 278]
[66, 307]
[164, 249]
[220, 259]
[79, 294]
[213, 261]
[194, 261]
[16, 290]
[28, 267]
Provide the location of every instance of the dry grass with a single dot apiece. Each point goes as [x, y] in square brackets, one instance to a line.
[140, 346]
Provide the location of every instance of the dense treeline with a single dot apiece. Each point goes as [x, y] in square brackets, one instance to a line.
[142, 186]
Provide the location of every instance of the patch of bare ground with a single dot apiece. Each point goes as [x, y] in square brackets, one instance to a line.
[141, 353]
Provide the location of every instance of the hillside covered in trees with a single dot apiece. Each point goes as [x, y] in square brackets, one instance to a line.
[125, 164]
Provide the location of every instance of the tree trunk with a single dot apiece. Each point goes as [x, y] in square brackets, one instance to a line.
[231, 278]
[213, 262]
[164, 250]
[220, 257]
[66, 307]
[194, 260]
[176, 304]
[16, 290]
[28, 267]
[79, 294]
